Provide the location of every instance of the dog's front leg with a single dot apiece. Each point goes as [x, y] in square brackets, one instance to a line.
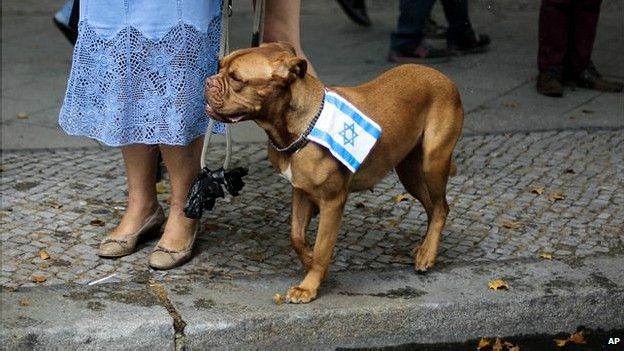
[302, 211]
[329, 223]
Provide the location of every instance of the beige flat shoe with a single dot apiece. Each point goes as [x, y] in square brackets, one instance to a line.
[163, 258]
[113, 248]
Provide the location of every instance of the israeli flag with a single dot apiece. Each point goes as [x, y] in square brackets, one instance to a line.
[345, 131]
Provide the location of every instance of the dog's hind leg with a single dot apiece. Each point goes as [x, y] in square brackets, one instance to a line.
[302, 211]
[424, 173]
[411, 176]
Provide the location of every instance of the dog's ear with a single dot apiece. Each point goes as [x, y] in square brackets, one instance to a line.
[290, 68]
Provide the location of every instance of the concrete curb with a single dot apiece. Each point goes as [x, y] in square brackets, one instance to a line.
[108, 316]
[356, 309]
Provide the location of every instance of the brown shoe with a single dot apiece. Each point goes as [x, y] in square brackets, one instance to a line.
[549, 84]
[591, 79]
[163, 258]
[113, 248]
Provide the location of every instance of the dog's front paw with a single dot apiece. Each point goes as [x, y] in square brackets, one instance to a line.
[425, 258]
[297, 294]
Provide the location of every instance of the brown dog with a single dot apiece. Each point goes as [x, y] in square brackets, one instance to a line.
[418, 109]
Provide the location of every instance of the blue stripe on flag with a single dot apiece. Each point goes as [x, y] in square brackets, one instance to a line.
[355, 116]
[336, 148]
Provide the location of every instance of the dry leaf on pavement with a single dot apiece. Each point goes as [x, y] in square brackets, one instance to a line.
[483, 343]
[512, 104]
[512, 224]
[97, 223]
[400, 197]
[38, 279]
[22, 115]
[546, 255]
[278, 299]
[24, 302]
[43, 255]
[578, 338]
[498, 284]
[161, 188]
[561, 342]
[539, 190]
[556, 195]
[498, 346]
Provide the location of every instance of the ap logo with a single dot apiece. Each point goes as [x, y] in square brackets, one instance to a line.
[614, 341]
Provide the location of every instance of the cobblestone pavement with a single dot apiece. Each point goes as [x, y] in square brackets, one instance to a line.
[50, 198]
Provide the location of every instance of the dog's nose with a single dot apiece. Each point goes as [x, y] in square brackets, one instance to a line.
[209, 82]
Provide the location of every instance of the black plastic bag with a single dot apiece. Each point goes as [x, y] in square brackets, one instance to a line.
[208, 186]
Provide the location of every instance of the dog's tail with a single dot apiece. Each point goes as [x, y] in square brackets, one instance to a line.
[453, 169]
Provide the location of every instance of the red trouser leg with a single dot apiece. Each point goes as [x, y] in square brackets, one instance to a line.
[583, 32]
[554, 21]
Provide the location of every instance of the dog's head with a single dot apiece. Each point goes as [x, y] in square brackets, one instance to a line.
[249, 79]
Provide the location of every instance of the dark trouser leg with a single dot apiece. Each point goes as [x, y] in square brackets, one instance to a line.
[582, 34]
[412, 17]
[554, 22]
[456, 13]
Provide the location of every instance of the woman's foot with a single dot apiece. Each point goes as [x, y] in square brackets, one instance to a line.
[137, 222]
[176, 245]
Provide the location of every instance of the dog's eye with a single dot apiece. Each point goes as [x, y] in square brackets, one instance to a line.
[234, 77]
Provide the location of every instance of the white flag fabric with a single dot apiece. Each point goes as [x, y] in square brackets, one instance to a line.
[345, 131]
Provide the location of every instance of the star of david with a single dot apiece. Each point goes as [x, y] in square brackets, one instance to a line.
[348, 134]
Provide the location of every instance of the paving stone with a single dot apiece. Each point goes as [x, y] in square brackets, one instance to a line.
[494, 181]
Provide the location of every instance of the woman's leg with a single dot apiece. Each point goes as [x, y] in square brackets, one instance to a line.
[182, 164]
[281, 23]
[140, 161]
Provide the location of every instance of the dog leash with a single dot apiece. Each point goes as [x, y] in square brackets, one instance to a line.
[256, 39]
[208, 185]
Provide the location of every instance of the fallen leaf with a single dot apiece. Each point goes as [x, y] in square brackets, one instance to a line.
[546, 255]
[512, 104]
[512, 224]
[483, 343]
[539, 190]
[24, 302]
[38, 279]
[578, 338]
[400, 197]
[278, 299]
[498, 346]
[210, 227]
[561, 342]
[22, 115]
[161, 188]
[498, 284]
[556, 195]
[56, 205]
[97, 223]
[43, 255]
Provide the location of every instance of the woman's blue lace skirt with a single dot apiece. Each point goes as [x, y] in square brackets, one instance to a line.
[138, 71]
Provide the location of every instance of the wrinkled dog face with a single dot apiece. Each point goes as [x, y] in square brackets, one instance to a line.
[249, 77]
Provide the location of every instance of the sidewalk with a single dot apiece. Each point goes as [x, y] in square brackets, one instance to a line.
[61, 195]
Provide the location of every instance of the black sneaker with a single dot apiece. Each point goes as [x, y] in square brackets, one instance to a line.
[423, 53]
[433, 30]
[356, 10]
[469, 43]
